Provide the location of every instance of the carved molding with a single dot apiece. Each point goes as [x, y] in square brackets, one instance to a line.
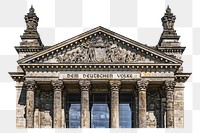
[169, 85]
[85, 85]
[30, 85]
[142, 85]
[57, 85]
[115, 85]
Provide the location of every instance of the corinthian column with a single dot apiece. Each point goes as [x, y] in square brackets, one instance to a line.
[114, 87]
[57, 87]
[142, 86]
[30, 88]
[169, 91]
[85, 112]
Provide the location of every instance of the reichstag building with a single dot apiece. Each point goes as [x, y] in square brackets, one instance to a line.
[99, 79]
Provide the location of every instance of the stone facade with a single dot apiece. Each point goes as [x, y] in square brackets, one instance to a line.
[97, 64]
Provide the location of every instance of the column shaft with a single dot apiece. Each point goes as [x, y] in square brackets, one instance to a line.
[31, 86]
[169, 91]
[85, 112]
[57, 86]
[115, 86]
[142, 86]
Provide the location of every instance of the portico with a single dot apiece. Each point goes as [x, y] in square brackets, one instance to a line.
[86, 86]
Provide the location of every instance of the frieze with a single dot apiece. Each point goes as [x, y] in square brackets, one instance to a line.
[99, 75]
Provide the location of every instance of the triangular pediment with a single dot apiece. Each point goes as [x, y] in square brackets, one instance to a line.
[99, 45]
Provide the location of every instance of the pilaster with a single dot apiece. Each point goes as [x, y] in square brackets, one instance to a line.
[169, 92]
[179, 105]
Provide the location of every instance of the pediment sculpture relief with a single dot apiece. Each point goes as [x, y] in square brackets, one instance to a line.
[100, 50]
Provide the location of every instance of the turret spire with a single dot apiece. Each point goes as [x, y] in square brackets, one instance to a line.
[169, 33]
[31, 34]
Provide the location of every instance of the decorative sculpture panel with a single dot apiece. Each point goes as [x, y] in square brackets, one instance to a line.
[100, 50]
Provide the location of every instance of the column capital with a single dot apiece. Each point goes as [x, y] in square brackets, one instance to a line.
[115, 85]
[169, 85]
[84, 85]
[30, 85]
[57, 85]
[142, 85]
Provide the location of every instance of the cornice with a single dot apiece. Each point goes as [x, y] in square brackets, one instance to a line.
[17, 76]
[182, 77]
[28, 48]
[171, 49]
[102, 67]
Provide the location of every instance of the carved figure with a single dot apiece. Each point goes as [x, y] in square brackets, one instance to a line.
[100, 50]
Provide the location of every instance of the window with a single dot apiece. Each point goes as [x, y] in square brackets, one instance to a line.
[74, 116]
[100, 116]
[73, 113]
[99, 111]
[125, 116]
[125, 113]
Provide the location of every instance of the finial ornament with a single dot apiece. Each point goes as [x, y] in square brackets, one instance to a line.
[168, 20]
[169, 33]
[31, 10]
[168, 10]
[31, 33]
[31, 19]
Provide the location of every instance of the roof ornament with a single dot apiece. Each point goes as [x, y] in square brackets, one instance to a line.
[168, 20]
[31, 10]
[169, 33]
[168, 10]
[31, 36]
